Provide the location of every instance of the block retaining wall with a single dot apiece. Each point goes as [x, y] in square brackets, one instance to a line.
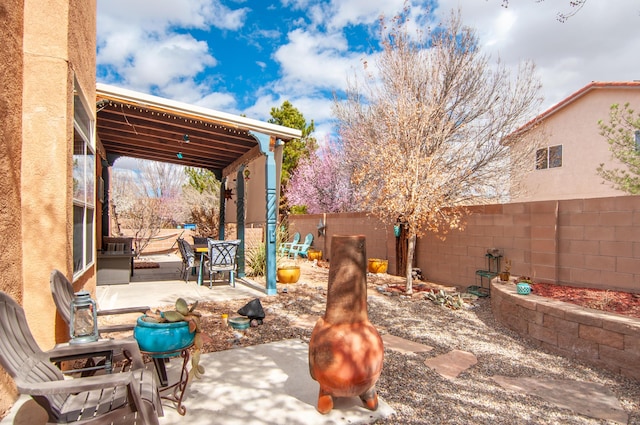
[605, 340]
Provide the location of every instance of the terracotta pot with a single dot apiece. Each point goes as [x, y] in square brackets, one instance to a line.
[345, 349]
[288, 274]
[504, 276]
[377, 265]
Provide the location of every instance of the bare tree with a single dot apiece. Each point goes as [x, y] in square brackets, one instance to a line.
[574, 7]
[425, 136]
[147, 200]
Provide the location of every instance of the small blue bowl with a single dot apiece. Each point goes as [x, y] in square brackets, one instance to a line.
[523, 288]
[162, 339]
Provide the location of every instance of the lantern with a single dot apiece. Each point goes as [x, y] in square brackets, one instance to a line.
[247, 173]
[84, 319]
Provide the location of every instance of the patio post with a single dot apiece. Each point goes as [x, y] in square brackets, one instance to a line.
[240, 217]
[267, 146]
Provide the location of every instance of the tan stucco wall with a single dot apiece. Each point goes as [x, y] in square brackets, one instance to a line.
[47, 150]
[575, 127]
[11, 22]
[44, 44]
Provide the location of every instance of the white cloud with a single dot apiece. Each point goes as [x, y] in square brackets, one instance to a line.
[148, 43]
[311, 61]
[141, 49]
[599, 43]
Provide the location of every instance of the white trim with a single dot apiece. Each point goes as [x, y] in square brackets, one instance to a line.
[180, 108]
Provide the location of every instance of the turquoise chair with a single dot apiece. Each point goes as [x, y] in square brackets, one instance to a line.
[301, 248]
[285, 247]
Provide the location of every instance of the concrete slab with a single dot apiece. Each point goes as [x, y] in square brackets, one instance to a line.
[587, 398]
[264, 384]
[452, 364]
[158, 294]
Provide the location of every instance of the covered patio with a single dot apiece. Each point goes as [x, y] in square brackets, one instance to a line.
[137, 125]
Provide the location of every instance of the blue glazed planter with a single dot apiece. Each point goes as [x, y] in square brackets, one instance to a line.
[523, 288]
[162, 337]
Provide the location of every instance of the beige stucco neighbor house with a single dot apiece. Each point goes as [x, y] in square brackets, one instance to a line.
[565, 166]
[56, 149]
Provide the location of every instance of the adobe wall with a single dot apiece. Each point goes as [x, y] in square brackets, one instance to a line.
[11, 74]
[606, 340]
[582, 242]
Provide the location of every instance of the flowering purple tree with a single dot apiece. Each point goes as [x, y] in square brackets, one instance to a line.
[322, 182]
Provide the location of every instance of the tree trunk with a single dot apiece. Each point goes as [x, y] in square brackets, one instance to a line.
[401, 251]
[411, 249]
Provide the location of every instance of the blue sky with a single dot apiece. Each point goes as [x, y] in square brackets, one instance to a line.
[245, 57]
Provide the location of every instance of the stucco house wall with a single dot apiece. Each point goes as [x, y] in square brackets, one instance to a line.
[45, 46]
[573, 123]
[11, 40]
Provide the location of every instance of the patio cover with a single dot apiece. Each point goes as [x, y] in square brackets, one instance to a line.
[142, 126]
[139, 125]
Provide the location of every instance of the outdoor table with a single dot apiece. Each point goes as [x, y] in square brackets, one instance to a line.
[203, 250]
[174, 392]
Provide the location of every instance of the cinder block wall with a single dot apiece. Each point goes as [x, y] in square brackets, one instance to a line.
[582, 242]
[380, 238]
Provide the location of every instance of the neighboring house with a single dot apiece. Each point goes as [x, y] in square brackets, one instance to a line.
[56, 152]
[565, 165]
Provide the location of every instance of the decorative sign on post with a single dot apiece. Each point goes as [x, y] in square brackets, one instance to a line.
[84, 319]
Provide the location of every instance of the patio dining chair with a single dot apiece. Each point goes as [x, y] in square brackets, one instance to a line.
[301, 248]
[188, 258]
[222, 259]
[63, 293]
[100, 399]
[286, 246]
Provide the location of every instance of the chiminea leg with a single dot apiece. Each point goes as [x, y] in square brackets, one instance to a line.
[325, 402]
[370, 398]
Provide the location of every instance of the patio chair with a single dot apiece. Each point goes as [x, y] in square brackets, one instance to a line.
[63, 294]
[101, 399]
[222, 258]
[286, 246]
[301, 248]
[199, 240]
[188, 258]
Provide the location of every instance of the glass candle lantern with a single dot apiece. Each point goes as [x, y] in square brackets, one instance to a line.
[84, 319]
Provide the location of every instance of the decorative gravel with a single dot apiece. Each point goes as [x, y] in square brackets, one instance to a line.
[417, 393]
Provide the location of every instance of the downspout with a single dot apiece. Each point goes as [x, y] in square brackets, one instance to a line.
[240, 218]
[267, 145]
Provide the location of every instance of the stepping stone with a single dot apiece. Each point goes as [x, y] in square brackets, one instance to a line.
[404, 346]
[305, 321]
[452, 364]
[585, 398]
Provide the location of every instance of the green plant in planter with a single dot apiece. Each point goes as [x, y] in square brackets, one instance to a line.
[524, 279]
[506, 271]
[183, 313]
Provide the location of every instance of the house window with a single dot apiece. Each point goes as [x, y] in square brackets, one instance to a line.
[637, 139]
[83, 184]
[550, 157]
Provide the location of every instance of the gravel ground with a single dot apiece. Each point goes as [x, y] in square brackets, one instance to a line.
[418, 394]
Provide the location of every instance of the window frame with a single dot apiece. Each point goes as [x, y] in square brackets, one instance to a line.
[548, 157]
[84, 185]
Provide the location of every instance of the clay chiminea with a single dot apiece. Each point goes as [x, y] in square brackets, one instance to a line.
[345, 350]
